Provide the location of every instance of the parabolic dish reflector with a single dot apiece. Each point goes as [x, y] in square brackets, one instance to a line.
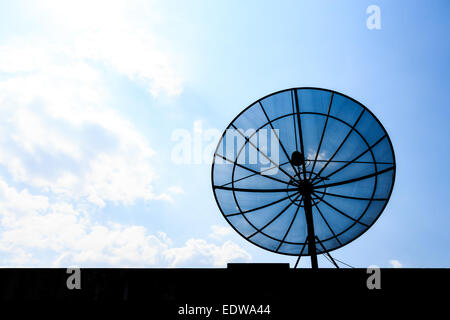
[297, 149]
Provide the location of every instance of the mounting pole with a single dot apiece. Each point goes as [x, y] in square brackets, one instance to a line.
[310, 225]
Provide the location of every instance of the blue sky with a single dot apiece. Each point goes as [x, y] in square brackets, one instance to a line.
[91, 94]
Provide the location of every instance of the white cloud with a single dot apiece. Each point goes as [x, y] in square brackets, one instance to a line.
[115, 33]
[69, 236]
[69, 151]
[55, 113]
[57, 130]
[59, 135]
[395, 264]
[218, 232]
[176, 190]
[132, 54]
[200, 252]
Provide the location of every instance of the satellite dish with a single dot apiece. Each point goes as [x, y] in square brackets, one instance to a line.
[303, 171]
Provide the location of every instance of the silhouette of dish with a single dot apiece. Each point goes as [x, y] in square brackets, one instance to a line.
[327, 149]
